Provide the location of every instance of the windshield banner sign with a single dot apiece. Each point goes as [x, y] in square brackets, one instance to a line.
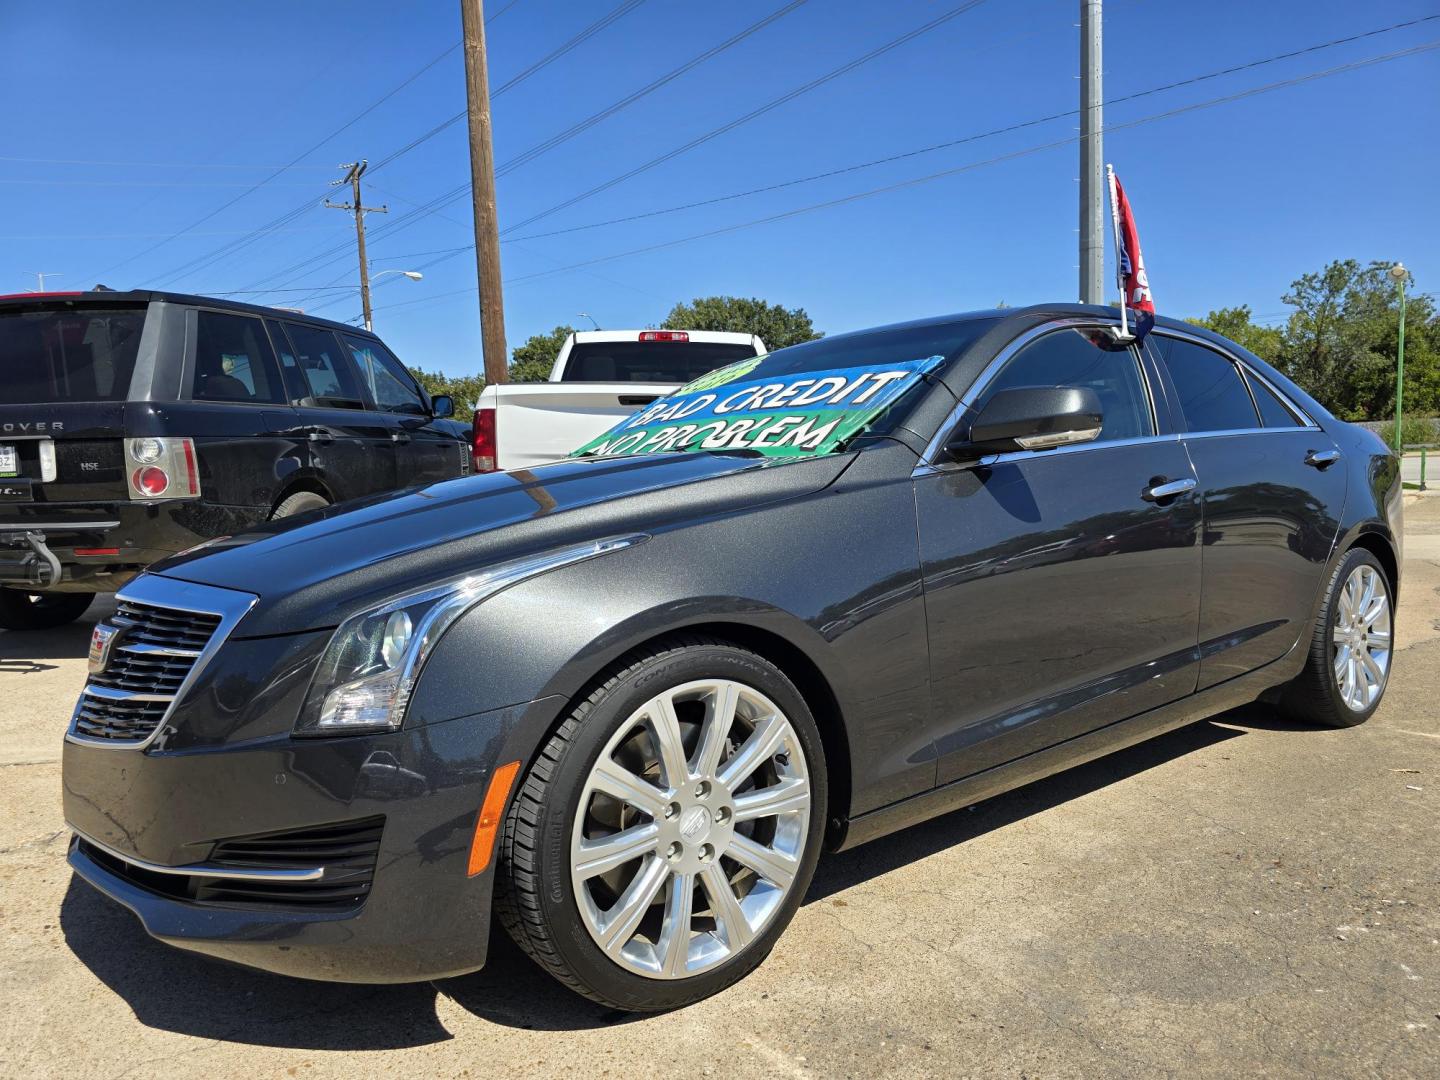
[810, 412]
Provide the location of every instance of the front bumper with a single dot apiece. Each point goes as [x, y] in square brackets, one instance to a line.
[423, 917]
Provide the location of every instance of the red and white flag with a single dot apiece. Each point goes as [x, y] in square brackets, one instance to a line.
[1130, 263]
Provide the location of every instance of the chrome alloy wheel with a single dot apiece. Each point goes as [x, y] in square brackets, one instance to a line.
[1361, 638]
[690, 829]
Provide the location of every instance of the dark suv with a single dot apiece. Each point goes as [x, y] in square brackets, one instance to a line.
[137, 424]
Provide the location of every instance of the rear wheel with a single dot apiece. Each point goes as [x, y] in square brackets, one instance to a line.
[40, 611]
[299, 503]
[1349, 663]
[667, 832]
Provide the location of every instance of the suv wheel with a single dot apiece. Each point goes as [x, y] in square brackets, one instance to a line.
[40, 611]
[1350, 650]
[666, 834]
[298, 503]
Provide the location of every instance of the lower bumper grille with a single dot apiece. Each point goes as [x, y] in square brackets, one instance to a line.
[345, 852]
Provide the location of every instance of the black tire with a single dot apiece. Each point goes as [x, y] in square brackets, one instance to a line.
[41, 611]
[535, 898]
[299, 503]
[1314, 696]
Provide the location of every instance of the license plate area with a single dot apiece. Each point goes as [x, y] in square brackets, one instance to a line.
[9, 461]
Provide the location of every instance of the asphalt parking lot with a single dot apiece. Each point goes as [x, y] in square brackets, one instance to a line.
[1243, 896]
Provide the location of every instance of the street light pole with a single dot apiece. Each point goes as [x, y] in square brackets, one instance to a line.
[1398, 274]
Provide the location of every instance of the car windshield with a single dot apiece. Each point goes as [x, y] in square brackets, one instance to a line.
[68, 354]
[798, 402]
[649, 361]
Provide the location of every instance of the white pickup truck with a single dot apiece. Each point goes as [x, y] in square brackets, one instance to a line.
[600, 377]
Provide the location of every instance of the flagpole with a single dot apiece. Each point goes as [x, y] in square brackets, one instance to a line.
[1115, 233]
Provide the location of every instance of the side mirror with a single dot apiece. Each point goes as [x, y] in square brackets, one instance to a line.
[441, 406]
[1030, 418]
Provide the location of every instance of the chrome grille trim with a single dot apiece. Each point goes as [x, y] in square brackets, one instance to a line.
[230, 873]
[162, 662]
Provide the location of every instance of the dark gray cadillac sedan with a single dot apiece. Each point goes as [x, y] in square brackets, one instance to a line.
[622, 702]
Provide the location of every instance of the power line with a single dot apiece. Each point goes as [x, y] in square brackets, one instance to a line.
[774, 103]
[915, 181]
[455, 194]
[565, 47]
[149, 164]
[295, 161]
[1007, 129]
[446, 253]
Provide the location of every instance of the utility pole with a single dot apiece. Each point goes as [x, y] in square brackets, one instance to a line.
[40, 276]
[1092, 186]
[357, 170]
[482, 186]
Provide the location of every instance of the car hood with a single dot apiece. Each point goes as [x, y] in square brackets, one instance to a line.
[316, 569]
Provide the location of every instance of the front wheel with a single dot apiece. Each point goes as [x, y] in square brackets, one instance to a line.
[1349, 663]
[41, 611]
[666, 834]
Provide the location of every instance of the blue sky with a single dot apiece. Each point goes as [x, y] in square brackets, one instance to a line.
[131, 123]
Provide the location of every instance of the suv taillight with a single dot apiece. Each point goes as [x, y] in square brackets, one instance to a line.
[484, 448]
[162, 468]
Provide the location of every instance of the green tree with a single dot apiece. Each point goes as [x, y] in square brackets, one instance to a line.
[465, 389]
[532, 361]
[1235, 323]
[1341, 342]
[777, 326]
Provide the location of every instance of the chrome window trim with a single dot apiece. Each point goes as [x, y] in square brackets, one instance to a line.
[1247, 372]
[155, 590]
[929, 459]
[314, 873]
[927, 469]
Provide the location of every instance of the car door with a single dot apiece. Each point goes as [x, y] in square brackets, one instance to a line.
[1061, 594]
[236, 408]
[425, 451]
[1272, 492]
[352, 450]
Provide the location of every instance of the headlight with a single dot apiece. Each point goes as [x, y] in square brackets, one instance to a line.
[369, 670]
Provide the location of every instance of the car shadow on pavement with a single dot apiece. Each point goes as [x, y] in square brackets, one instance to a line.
[25, 652]
[849, 868]
[172, 990]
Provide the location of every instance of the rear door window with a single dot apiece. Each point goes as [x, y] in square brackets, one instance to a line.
[295, 385]
[1212, 392]
[329, 372]
[233, 361]
[70, 354]
[390, 385]
[1272, 410]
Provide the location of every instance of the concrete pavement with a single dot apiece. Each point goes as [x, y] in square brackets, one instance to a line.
[1243, 896]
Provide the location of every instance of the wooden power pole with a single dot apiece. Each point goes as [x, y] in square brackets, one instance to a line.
[357, 169]
[482, 184]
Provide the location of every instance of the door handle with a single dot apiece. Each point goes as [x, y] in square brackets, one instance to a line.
[320, 437]
[1322, 459]
[399, 437]
[1167, 489]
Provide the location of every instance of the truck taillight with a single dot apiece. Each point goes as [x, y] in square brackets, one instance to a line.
[484, 449]
[664, 335]
[162, 468]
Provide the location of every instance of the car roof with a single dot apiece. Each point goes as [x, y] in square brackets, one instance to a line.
[137, 296]
[1029, 313]
[728, 337]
